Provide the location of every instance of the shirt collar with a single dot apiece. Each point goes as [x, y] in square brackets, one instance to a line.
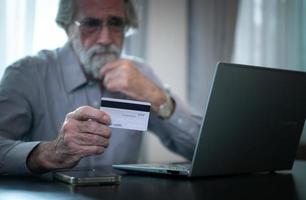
[73, 74]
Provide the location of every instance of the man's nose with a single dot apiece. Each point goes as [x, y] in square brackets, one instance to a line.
[104, 36]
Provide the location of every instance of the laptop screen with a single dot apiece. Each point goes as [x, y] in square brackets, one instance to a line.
[253, 120]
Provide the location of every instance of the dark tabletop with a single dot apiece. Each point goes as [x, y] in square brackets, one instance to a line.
[282, 185]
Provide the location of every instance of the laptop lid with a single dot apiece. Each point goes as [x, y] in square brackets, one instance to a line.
[253, 121]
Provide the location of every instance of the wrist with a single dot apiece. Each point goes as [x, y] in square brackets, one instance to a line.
[37, 160]
[162, 103]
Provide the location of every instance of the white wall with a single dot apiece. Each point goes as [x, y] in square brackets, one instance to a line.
[167, 53]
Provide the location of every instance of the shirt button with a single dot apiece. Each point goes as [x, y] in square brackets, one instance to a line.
[180, 121]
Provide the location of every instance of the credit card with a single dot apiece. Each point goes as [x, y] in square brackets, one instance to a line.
[127, 114]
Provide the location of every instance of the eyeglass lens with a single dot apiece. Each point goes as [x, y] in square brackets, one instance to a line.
[92, 25]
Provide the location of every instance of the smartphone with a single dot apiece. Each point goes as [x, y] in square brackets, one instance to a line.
[87, 177]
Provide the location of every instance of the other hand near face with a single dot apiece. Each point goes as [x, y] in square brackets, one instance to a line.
[123, 76]
[83, 133]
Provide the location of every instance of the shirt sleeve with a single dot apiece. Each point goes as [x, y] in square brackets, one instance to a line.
[179, 133]
[14, 156]
[15, 120]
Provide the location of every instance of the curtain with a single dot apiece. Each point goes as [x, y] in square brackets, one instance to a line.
[13, 21]
[2, 36]
[27, 26]
[212, 27]
[272, 33]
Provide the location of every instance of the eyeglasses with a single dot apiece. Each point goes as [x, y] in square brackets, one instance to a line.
[91, 26]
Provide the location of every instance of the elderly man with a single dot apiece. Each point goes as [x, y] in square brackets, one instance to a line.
[50, 117]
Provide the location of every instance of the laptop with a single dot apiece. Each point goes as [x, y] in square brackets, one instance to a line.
[252, 123]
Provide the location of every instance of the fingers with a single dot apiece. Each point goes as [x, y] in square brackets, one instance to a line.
[92, 150]
[122, 64]
[92, 127]
[123, 76]
[110, 66]
[72, 126]
[80, 134]
[115, 81]
[86, 113]
[91, 140]
[78, 139]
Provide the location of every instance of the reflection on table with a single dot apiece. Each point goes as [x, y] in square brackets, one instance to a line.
[282, 185]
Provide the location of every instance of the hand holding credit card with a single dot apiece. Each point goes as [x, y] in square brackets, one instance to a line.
[127, 114]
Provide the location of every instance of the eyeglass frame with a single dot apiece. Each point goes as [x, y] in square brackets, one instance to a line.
[102, 24]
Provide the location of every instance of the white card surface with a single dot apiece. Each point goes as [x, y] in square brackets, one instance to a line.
[127, 114]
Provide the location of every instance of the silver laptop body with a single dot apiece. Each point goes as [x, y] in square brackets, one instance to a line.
[252, 123]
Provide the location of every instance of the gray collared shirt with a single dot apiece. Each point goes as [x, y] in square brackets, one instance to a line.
[37, 92]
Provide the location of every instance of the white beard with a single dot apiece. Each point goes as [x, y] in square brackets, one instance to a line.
[92, 62]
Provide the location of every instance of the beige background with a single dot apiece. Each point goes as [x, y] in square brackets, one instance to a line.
[167, 53]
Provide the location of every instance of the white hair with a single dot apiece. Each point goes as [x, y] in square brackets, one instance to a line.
[67, 10]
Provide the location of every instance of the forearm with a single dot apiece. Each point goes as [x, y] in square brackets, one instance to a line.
[179, 133]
